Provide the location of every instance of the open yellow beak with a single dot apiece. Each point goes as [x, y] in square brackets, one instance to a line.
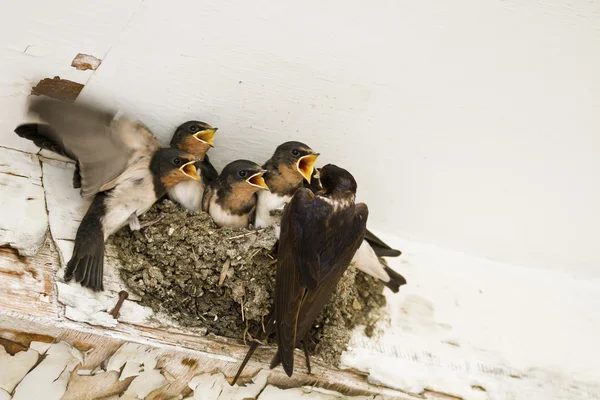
[207, 136]
[258, 181]
[189, 170]
[306, 165]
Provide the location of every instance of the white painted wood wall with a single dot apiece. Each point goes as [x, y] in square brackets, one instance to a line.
[469, 125]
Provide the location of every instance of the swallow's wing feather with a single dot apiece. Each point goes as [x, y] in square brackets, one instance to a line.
[316, 246]
[289, 282]
[208, 193]
[103, 147]
[207, 171]
[335, 243]
[342, 240]
[381, 248]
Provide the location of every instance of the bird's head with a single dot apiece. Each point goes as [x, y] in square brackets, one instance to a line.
[173, 166]
[337, 182]
[194, 137]
[295, 161]
[243, 175]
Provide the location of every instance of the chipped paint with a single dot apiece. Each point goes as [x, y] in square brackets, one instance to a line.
[84, 62]
[57, 88]
[215, 387]
[14, 368]
[23, 217]
[51, 375]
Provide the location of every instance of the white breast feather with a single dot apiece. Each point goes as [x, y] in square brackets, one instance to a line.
[188, 194]
[366, 260]
[223, 218]
[134, 192]
[267, 202]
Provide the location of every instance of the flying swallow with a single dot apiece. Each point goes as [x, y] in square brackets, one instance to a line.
[121, 166]
[290, 165]
[196, 138]
[369, 256]
[231, 198]
[319, 235]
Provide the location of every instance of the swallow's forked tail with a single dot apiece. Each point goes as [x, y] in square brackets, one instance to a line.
[87, 262]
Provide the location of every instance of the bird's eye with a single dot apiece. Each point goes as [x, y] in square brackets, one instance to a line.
[193, 128]
[177, 161]
[242, 173]
[295, 152]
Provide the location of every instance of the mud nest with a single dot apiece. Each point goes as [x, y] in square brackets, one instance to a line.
[224, 279]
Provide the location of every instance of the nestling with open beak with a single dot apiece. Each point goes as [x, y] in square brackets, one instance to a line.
[369, 256]
[290, 165]
[231, 199]
[319, 235]
[122, 166]
[196, 138]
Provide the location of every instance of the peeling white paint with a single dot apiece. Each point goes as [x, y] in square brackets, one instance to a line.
[23, 218]
[137, 355]
[215, 387]
[51, 375]
[140, 361]
[40, 347]
[144, 384]
[14, 368]
[274, 393]
[463, 322]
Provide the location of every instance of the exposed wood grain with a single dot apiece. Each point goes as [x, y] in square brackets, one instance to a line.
[61, 89]
[27, 283]
[179, 355]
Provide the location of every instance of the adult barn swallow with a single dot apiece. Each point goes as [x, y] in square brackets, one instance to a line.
[319, 235]
[369, 256]
[193, 137]
[121, 164]
[290, 165]
[196, 138]
[231, 198]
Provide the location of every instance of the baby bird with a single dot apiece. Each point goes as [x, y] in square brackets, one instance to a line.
[231, 198]
[121, 165]
[196, 138]
[290, 165]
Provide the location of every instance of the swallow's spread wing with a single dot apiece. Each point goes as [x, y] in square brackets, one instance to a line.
[316, 246]
[103, 147]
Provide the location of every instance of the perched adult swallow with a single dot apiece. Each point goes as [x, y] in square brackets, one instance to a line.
[319, 236]
[290, 165]
[196, 138]
[122, 166]
[369, 256]
[231, 198]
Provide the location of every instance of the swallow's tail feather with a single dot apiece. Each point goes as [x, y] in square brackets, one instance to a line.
[381, 248]
[269, 328]
[41, 135]
[277, 360]
[396, 280]
[87, 263]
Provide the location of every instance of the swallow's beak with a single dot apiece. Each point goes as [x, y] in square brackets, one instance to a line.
[306, 165]
[258, 181]
[207, 136]
[189, 170]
